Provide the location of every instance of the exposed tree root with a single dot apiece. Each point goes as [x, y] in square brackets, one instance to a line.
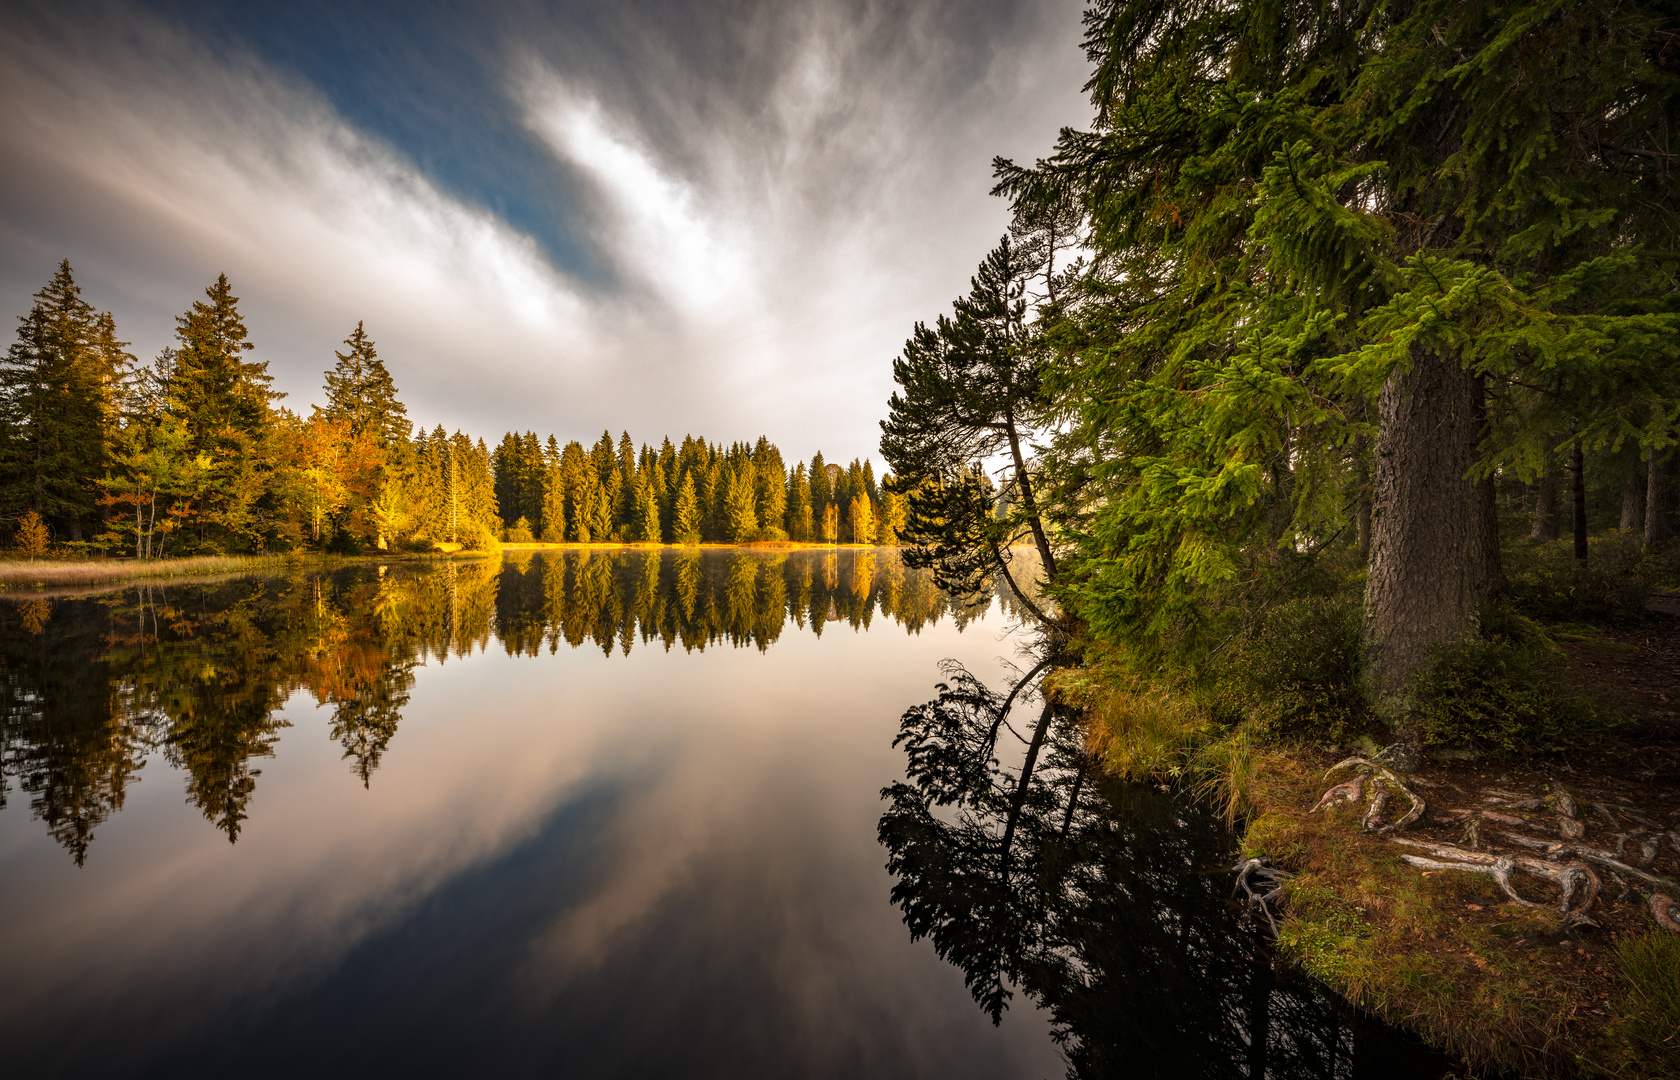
[1555, 850]
[1665, 911]
[1341, 793]
[1569, 877]
[1386, 776]
[1263, 886]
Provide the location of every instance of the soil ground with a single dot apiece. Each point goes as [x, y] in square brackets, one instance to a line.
[1446, 952]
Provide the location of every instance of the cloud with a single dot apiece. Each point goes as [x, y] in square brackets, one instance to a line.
[769, 197]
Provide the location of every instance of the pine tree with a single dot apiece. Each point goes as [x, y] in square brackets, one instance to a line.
[647, 510]
[223, 402]
[686, 529]
[742, 517]
[554, 518]
[362, 394]
[769, 487]
[800, 522]
[61, 385]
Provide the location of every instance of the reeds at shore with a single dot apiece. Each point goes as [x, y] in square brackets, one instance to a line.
[25, 572]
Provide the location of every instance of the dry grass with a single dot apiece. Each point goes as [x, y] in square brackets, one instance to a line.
[1146, 733]
[16, 573]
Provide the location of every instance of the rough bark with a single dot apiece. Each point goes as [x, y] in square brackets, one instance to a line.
[1659, 525]
[1428, 566]
[1633, 499]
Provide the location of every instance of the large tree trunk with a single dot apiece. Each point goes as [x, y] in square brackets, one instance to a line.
[1633, 499]
[1548, 523]
[1429, 548]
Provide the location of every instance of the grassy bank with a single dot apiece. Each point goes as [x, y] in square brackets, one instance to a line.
[1565, 706]
[26, 573]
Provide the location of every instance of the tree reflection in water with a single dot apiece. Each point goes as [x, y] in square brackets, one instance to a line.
[1106, 903]
[91, 688]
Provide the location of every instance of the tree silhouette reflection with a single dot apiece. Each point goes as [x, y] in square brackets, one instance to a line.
[91, 688]
[1106, 903]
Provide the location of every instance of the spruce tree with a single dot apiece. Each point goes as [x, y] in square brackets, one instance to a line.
[686, 528]
[61, 384]
[742, 517]
[361, 392]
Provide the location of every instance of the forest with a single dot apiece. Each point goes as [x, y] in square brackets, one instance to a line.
[1334, 371]
[192, 455]
[1359, 318]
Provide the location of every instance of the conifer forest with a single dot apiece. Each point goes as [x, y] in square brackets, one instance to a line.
[192, 454]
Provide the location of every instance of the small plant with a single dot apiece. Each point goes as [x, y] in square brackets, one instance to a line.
[32, 536]
[520, 532]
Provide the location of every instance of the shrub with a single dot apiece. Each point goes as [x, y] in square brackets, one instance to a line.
[520, 532]
[344, 543]
[1297, 673]
[1500, 692]
[1548, 582]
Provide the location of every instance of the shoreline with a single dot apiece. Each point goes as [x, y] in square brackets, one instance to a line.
[1443, 950]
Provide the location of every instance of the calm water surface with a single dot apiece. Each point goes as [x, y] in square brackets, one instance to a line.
[595, 815]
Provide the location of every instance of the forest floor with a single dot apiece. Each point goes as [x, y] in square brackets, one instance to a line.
[1508, 987]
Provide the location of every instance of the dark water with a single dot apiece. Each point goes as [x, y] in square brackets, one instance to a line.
[597, 815]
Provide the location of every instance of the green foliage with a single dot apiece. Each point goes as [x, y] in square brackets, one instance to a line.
[1549, 583]
[1502, 693]
[1650, 963]
[1296, 675]
[520, 532]
[1286, 207]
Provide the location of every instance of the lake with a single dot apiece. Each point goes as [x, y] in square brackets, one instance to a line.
[610, 813]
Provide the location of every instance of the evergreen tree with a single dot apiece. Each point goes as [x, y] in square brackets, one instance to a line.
[362, 394]
[647, 509]
[801, 526]
[769, 487]
[686, 529]
[61, 385]
[223, 402]
[742, 517]
[554, 516]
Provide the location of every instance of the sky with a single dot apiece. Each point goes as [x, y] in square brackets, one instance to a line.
[721, 219]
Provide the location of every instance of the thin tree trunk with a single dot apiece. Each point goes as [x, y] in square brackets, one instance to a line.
[1492, 581]
[1633, 499]
[1428, 561]
[1659, 528]
[1021, 787]
[1027, 501]
[1362, 497]
[1578, 480]
[1547, 526]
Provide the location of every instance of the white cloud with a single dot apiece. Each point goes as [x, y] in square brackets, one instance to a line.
[769, 241]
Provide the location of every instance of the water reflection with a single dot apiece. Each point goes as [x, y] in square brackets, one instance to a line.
[1105, 903]
[93, 688]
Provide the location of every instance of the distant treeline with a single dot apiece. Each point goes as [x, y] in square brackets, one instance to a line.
[192, 455]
